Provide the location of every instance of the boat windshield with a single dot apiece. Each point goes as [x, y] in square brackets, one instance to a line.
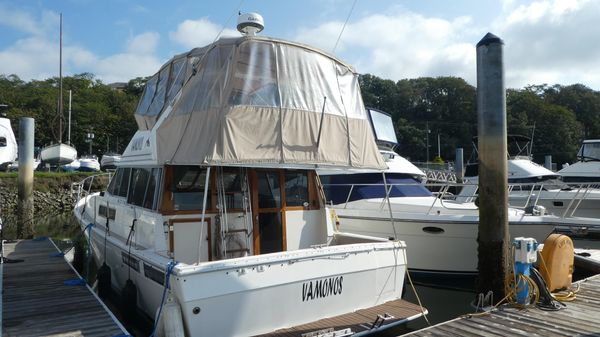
[340, 188]
[589, 152]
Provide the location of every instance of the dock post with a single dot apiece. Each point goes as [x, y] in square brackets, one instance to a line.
[548, 162]
[25, 178]
[493, 239]
[459, 169]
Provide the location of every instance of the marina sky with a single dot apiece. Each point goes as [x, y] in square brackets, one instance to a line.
[546, 41]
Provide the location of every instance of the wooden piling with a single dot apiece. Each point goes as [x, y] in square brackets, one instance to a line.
[493, 238]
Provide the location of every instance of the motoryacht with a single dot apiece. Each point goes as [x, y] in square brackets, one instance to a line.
[531, 184]
[8, 144]
[215, 210]
[440, 232]
[109, 161]
[587, 167]
[89, 163]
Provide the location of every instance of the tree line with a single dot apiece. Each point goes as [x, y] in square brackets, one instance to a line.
[423, 109]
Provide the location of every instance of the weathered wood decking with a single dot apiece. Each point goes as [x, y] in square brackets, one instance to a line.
[36, 302]
[360, 321]
[579, 318]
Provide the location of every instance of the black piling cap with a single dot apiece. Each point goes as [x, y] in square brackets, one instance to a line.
[489, 38]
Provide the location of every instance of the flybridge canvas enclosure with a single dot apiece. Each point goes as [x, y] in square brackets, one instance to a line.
[258, 101]
[383, 126]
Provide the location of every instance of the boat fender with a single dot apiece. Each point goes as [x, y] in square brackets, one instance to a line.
[170, 323]
[129, 297]
[103, 277]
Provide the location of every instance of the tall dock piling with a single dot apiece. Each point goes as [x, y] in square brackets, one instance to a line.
[548, 162]
[25, 178]
[493, 238]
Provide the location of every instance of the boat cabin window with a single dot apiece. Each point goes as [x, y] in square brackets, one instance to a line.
[340, 188]
[142, 189]
[269, 190]
[589, 152]
[232, 186]
[187, 188]
[119, 184]
[296, 189]
[2, 141]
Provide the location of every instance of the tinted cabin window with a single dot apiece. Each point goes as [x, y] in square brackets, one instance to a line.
[232, 183]
[137, 189]
[149, 198]
[188, 187]
[269, 195]
[296, 188]
[119, 184]
[2, 141]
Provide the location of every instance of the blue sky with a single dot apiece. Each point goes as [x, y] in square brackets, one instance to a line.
[546, 41]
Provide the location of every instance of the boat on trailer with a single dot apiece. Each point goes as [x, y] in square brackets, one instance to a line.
[215, 211]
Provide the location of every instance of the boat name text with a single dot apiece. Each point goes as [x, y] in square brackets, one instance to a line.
[322, 288]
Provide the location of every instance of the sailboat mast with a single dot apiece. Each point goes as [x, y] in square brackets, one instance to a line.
[60, 85]
[69, 132]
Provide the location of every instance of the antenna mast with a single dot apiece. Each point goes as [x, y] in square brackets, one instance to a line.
[60, 85]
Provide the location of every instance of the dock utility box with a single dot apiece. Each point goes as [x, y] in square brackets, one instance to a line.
[556, 265]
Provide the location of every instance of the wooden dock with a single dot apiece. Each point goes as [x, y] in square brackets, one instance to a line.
[37, 302]
[358, 322]
[580, 317]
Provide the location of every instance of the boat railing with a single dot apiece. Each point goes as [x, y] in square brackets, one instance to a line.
[573, 192]
[443, 194]
[464, 195]
[83, 188]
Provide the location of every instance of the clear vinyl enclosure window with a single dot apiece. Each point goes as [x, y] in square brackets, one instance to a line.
[187, 188]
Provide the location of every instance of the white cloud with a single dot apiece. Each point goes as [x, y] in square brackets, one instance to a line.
[401, 45]
[546, 41]
[552, 41]
[197, 33]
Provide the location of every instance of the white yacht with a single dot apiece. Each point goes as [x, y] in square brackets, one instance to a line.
[587, 167]
[441, 234]
[89, 163]
[8, 144]
[215, 207]
[531, 184]
[109, 161]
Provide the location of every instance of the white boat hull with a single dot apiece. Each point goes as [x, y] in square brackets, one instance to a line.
[444, 242]
[88, 165]
[255, 294]
[8, 143]
[58, 154]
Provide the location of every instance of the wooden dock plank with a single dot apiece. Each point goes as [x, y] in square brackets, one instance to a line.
[36, 302]
[579, 317]
[359, 320]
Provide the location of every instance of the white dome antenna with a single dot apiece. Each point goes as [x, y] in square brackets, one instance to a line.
[250, 23]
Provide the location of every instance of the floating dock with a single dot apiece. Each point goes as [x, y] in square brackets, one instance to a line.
[359, 322]
[580, 317]
[36, 301]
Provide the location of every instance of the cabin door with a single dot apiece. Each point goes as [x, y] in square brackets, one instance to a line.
[269, 218]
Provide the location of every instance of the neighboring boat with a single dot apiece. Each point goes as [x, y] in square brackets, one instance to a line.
[89, 163]
[441, 234]
[587, 167]
[531, 184]
[216, 195]
[71, 167]
[109, 161]
[60, 153]
[8, 144]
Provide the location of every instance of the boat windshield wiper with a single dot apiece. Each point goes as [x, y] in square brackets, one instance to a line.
[588, 158]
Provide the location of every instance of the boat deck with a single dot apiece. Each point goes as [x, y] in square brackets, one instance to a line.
[579, 318]
[37, 302]
[359, 321]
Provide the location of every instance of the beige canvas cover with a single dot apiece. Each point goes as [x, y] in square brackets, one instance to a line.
[258, 101]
